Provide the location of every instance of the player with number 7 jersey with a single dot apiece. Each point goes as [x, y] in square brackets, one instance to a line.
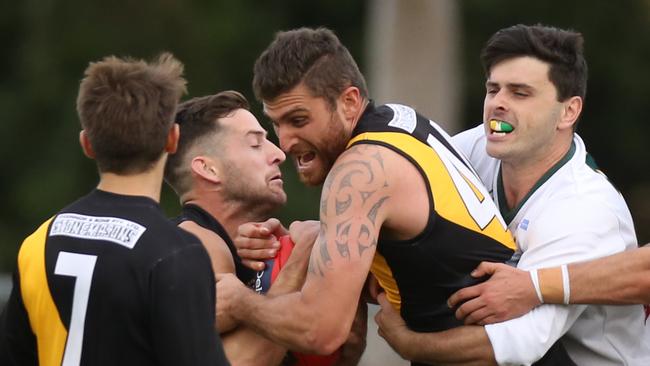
[110, 281]
[463, 229]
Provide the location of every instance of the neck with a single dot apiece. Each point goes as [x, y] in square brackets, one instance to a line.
[519, 177]
[146, 184]
[230, 214]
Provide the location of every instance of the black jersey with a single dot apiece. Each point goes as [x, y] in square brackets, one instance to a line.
[464, 225]
[191, 212]
[110, 281]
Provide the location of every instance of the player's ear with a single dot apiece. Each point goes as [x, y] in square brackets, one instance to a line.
[351, 102]
[86, 146]
[206, 168]
[571, 112]
[172, 139]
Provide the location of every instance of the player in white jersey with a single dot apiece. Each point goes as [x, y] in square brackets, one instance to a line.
[558, 208]
[575, 214]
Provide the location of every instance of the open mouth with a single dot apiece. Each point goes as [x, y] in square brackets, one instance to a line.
[500, 128]
[305, 159]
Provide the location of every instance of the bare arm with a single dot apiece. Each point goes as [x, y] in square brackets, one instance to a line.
[623, 278]
[244, 346]
[241, 344]
[220, 255]
[619, 279]
[353, 208]
[465, 345]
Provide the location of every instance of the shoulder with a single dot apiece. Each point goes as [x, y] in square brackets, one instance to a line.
[220, 255]
[207, 237]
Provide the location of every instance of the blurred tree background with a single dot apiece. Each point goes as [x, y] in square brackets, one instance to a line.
[47, 44]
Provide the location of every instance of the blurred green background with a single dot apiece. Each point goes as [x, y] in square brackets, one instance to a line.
[47, 44]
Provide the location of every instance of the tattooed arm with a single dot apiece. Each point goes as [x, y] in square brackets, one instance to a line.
[355, 202]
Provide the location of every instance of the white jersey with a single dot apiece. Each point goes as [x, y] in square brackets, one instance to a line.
[573, 214]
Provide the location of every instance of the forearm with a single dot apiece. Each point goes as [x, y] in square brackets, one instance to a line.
[466, 345]
[244, 347]
[290, 322]
[619, 279]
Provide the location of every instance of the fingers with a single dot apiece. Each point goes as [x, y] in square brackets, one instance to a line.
[463, 295]
[483, 316]
[260, 230]
[257, 254]
[468, 308]
[382, 300]
[485, 269]
[254, 265]
[273, 226]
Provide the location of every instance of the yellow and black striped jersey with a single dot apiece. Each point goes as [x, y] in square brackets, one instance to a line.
[464, 225]
[109, 280]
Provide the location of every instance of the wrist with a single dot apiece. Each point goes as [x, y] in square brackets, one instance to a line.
[552, 284]
[242, 305]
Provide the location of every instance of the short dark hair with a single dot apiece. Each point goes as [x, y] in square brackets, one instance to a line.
[198, 118]
[126, 107]
[313, 56]
[561, 49]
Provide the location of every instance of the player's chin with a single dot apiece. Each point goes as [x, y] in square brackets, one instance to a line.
[314, 176]
[280, 198]
[312, 180]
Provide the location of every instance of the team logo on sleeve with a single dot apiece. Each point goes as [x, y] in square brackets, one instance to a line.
[113, 229]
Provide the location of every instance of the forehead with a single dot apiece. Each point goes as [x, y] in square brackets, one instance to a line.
[520, 70]
[241, 123]
[300, 98]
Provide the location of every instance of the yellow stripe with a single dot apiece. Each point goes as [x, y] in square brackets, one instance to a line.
[384, 276]
[43, 314]
[448, 202]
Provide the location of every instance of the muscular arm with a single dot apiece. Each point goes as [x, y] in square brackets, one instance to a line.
[623, 278]
[466, 345]
[353, 207]
[619, 279]
[241, 344]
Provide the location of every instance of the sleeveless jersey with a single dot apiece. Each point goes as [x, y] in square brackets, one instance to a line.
[464, 225]
[191, 212]
[110, 281]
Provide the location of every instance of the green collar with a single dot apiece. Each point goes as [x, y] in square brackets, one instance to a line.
[503, 204]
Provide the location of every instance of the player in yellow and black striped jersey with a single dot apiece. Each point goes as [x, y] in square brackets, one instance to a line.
[463, 229]
[109, 280]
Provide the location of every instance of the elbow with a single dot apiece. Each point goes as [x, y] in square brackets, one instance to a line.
[323, 339]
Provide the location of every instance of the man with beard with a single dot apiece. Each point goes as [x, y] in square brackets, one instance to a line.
[397, 200]
[226, 172]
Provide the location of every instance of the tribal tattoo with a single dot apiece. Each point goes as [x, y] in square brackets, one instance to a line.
[354, 192]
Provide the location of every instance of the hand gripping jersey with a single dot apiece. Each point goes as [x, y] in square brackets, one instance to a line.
[199, 216]
[265, 278]
[463, 229]
[110, 281]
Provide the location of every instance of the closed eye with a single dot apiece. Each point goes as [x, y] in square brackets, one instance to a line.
[298, 121]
